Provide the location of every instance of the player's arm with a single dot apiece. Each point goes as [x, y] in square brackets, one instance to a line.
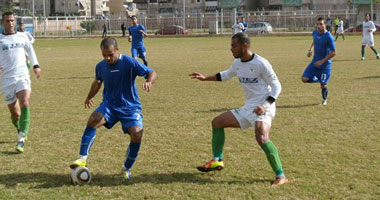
[33, 58]
[130, 35]
[201, 77]
[143, 31]
[271, 79]
[310, 52]
[151, 78]
[95, 87]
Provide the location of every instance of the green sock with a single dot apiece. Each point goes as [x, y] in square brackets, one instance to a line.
[218, 138]
[363, 52]
[343, 36]
[273, 157]
[16, 123]
[375, 50]
[25, 120]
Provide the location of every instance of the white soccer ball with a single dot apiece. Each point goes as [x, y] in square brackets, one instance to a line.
[80, 176]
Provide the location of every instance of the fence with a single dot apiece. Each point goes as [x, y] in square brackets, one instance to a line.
[283, 21]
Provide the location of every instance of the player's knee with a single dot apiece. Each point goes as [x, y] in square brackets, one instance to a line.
[15, 115]
[94, 120]
[217, 123]
[136, 135]
[24, 102]
[323, 86]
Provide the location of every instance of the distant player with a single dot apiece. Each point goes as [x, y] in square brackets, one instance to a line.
[340, 30]
[120, 101]
[245, 24]
[320, 67]
[137, 33]
[368, 29]
[262, 88]
[238, 27]
[15, 79]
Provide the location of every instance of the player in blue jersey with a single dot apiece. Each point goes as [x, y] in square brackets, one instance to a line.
[120, 101]
[136, 35]
[320, 67]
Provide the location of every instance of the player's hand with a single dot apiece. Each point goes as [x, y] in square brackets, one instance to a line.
[318, 63]
[309, 54]
[147, 85]
[88, 103]
[259, 110]
[198, 76]
[37, 72]
[129, 39]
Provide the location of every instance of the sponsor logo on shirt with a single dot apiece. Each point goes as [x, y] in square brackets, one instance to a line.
[12, 46]
[248, 80]
[116, 70]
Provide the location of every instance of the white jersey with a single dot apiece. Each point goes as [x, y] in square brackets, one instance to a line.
[30, 37]
[238, 28]
[368, 29]
[257, 78]
[340, 27]
[13, 49]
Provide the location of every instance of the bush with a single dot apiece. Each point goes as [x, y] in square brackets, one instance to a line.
[88, 25]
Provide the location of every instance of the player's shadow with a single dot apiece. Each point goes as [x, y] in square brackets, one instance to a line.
[296, 106]
[368, 77]
[167, 178]
[6, 142]
[9, 153]
[43, 180]
[214, 110]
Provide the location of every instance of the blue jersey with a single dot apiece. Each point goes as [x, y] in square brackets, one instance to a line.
[120, 90]
[323, 45]
[137, 36]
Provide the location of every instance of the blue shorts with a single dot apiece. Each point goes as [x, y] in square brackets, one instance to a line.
[138, 51]
[312, 72]
[113, 116]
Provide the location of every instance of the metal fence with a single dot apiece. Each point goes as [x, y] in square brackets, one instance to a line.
[281, 21]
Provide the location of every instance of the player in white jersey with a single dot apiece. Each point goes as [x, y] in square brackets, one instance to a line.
[368, 29]
[340, 30]
[15, 80]
[238, 27]
[31, 39]
[262, 88]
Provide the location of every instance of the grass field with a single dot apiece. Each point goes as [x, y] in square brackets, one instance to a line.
[329, 152]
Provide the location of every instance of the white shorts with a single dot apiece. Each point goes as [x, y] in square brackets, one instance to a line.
[368, 41]
[11, 86]
[247, 118]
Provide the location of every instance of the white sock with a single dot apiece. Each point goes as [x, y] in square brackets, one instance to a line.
[83, 157]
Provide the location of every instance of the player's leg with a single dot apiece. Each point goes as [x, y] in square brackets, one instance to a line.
[375, 51]
[133, 125]
[96, 119]
[324, 78]
[14, 109]
[224, 120]
[363, 52]
[343, 36]
[308, 75]
[134, 52]
[142, 55]
[23, 96]
[262, 130]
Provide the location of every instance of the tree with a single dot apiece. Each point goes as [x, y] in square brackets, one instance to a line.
[88, 25]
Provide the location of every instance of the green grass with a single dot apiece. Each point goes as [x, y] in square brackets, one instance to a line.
[329, 152]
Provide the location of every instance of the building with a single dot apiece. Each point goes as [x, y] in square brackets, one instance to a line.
[9, 4]
[122, 8]
[99, 7]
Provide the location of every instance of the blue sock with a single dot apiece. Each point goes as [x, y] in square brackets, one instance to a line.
[325, 92]
[87, 140]
[132, 153]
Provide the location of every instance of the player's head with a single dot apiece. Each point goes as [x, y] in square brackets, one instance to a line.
[237, 20]
[242, 19]
[134, 19]
[240, 44]
[21, 27]
[367, 17]
[321, 26]
[110, 50]
[8, 20]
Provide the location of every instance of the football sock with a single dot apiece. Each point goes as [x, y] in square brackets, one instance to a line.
[363, 52]
[25, 120]
[273, 157]
[343, 36]
[325, 92]
[87, 141]
[16, 123]
[218, 138]
[132, 153]
[375, 50]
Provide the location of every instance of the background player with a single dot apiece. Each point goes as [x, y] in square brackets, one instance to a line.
[340, 30]
[136, 34]
[15, 79]
[320, 67]
[368, 29]
[120, 101]
[262, 88]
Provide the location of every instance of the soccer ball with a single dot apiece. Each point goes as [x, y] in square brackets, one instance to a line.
[80, 176]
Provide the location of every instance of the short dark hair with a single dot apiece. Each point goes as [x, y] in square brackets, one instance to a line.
[108, 42]
[365, 15]
[133, 16]
[6, 14]
[242, 38]
[321, 19]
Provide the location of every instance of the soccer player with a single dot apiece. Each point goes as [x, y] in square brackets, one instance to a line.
[31, 39]
[340, 30]
[245, 24]
[238, 27]
[262, 88]
[368, 29]
[136, 34]
[120, 101]
[15, 79]
[320, 67]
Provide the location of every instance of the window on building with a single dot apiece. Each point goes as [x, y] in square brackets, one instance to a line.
[199, 1]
